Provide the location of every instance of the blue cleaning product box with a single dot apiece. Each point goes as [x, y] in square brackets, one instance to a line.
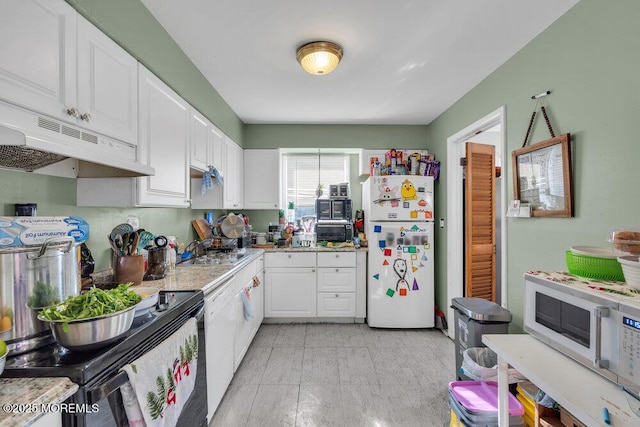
[35, 230]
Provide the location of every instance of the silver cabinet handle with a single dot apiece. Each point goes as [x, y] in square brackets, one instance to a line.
[337, 295]
[337, 270]
[289, 255]
[600, 312]
[313, 270]
[337, 255]
[86, 117]
[73, 112]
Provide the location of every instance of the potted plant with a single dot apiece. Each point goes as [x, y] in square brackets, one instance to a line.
[319, 190]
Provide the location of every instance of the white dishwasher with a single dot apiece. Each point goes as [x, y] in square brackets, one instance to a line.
[220, 318]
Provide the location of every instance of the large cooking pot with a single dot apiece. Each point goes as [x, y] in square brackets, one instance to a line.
[33, 277]
[230, 226]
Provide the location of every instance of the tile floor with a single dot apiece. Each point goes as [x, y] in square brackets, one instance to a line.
[340, 375]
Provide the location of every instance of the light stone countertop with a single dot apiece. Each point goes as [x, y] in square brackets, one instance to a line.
[32, 393]
[207, 277]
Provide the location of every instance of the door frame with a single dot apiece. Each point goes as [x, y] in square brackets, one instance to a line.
[455, 212]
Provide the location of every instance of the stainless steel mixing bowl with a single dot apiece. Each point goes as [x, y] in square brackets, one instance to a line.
[92, 333]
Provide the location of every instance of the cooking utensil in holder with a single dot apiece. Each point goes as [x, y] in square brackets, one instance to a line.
[129, 269]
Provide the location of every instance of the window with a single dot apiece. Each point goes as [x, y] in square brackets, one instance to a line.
[301, 178]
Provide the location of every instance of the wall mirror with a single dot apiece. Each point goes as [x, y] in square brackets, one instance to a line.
[542, 177]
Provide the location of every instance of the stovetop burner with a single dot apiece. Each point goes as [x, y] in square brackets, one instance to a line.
[83, 366]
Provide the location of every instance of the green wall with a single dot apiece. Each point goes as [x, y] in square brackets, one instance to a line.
[590, 60]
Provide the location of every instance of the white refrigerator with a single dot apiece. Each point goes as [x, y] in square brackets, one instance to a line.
[398, 213]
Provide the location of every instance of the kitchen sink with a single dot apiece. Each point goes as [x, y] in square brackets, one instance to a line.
[218, 258]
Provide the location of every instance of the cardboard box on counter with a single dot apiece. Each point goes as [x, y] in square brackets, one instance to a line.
[35, 230]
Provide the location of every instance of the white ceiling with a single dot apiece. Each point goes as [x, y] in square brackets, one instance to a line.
[405, 61]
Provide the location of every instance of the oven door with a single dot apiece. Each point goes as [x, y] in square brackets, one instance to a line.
[103, 400]
[579, 324]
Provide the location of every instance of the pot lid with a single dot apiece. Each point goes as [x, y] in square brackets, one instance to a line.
[232, 226]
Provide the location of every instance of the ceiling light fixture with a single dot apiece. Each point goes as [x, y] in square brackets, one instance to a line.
[319, 57]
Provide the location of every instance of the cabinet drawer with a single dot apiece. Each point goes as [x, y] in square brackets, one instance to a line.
[290, 259]
[336, 304]
[336, 279]
[336, 259]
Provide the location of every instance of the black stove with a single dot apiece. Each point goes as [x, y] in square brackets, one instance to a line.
[99, 374]
[84, 366]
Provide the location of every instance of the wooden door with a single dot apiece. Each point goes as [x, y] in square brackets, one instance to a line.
[480, 245]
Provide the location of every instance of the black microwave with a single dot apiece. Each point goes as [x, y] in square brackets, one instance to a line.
[334, 231]
[334, 209]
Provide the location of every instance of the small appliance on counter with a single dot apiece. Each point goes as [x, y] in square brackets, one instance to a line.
[334, 231]
[334, 209]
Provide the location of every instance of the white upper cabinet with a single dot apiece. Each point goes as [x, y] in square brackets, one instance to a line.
[107, 85]
[207, 143]
[261, 179]
[62, 66]
[230, 166]
[199, 141]
[38, 55]
[233, 176]
[164, 143]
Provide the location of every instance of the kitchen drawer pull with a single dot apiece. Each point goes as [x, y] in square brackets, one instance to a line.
[73, 112]
[337, 296]
[313, 270]
[337, 270]
[86, 117]
[289, 255]
[337, 255]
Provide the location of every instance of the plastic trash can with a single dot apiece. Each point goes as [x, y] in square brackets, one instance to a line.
[475, 317]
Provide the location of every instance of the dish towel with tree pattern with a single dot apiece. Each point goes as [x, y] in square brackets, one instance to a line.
[161, 381]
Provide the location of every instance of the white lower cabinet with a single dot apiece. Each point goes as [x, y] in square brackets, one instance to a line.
[246, 328]
[220, 320]
[337, 284]
[310, 284]
[290, 292]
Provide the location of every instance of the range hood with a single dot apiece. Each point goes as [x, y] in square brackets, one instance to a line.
[32, 142]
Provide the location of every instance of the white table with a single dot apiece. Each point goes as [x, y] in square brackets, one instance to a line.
[579, 390]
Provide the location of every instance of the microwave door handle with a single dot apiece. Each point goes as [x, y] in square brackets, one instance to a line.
[600, 312]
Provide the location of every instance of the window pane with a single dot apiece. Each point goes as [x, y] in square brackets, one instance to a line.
[305, 171]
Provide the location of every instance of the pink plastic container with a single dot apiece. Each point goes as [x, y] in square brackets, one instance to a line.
[481, 397]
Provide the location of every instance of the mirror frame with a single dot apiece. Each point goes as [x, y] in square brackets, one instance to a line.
[540, 149]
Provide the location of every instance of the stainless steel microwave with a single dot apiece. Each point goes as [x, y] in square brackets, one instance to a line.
[594, 325]
[334, 209]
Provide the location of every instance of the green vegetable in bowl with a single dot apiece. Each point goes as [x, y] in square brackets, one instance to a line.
[93, 303]
[43, 295]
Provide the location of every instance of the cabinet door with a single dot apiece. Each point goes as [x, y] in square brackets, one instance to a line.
[336, 304]
[216, 147]
[38, 56]
[107, 85]
[220, 319]
[164, 130]
[258, 301]
[198, 141]
[261, 179]
[244, 328]
[233, 177]
[290, 292]
[336, 279]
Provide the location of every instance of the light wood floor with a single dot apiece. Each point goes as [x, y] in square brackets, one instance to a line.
[341, 375]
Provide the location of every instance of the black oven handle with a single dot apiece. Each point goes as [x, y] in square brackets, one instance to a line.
[97, 394]
[121, 378]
